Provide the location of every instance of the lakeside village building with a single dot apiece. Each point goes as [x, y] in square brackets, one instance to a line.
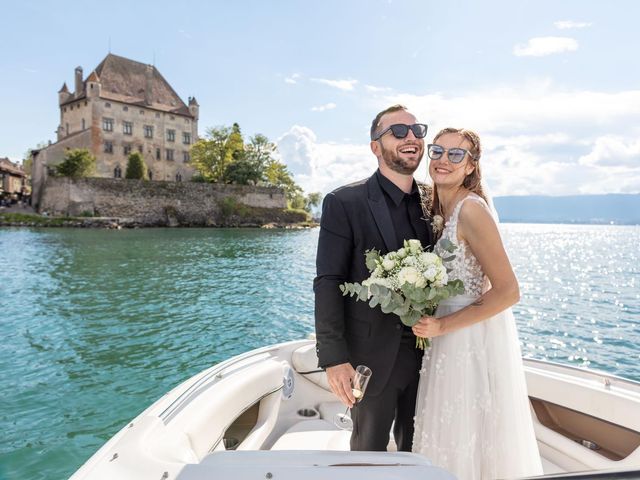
[121, 107]
[13, 182]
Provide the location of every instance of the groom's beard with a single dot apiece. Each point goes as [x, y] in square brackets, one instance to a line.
[404, 166]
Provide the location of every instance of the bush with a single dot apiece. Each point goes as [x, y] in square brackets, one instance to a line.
[77, 163]
[136, 168]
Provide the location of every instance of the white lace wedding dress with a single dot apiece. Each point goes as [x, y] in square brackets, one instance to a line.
[472, 413]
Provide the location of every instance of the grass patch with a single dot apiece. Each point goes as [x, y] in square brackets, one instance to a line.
[32, 219]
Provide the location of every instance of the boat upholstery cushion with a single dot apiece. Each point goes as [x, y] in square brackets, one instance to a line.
[313, 435]
[304, 360]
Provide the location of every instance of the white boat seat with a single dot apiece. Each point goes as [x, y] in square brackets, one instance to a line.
[305, 362]
[313, 435]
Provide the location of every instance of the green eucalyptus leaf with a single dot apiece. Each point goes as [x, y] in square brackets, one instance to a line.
[371, 258]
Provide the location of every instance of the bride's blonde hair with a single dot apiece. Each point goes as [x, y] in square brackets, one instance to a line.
[473, 181]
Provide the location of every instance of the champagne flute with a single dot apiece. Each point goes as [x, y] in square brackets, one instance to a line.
[358, 387]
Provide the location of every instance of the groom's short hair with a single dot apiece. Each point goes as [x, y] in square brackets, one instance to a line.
[376, 121]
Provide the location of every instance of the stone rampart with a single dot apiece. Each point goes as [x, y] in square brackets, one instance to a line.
[152, 203]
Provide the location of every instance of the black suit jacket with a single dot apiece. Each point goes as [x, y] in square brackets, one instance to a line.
[355, 218]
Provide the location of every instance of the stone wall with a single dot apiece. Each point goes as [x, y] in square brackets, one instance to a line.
[150, 203]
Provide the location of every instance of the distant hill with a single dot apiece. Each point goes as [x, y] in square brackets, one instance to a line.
[613, 208]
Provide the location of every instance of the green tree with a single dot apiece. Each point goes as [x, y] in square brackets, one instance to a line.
[77, 163]
[277, 174]
[249, 165]
[312, 200]
[213, 154]
[136, 168]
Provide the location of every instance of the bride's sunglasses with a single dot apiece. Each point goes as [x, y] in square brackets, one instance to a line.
[455, 155]
[400, 130]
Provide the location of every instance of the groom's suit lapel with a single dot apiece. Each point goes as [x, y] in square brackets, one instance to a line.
[381, 214]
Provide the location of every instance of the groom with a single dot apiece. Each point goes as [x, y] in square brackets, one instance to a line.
[377, 213]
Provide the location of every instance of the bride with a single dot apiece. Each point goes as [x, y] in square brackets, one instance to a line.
[472, 414]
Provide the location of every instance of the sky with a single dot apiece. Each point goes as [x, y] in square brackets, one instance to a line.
[551, 86]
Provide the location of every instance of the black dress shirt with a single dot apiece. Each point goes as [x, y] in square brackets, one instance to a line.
[406, 212]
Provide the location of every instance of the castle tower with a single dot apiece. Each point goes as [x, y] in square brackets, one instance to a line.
[93, 85]
[63, 94]
[194, 108]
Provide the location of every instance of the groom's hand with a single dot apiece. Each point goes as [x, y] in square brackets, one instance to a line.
[340, 377]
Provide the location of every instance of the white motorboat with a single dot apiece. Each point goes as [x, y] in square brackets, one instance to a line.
[269, 413]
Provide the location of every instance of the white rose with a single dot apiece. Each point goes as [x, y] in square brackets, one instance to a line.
[410, 261]
[414, 246]
[388, 264]
[422, 282]
[429, 258]
[408, 275]
[430, 273]
[401, 253]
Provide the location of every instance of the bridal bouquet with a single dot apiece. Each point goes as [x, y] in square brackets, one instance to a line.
[408, 282]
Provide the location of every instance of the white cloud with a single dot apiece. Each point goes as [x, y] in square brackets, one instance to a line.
[613, 150]
[321, 167]
[346, 85]
[541, 140]
[542, 46]
[293, 79]
[322, 108]
[374, 89]
[569, 24]
[536, 140]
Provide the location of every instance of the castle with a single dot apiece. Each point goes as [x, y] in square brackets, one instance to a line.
[121, 107]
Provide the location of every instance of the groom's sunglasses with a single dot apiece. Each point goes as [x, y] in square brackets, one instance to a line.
[455, 155]
[400, 130]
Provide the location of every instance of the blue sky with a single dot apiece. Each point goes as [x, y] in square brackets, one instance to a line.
[552, 87]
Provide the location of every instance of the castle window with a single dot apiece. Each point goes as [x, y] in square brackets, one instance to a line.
[107, 124]
[127, 128]
[186, 157]
[141, 112]
[85, 102]
[117, 172]
[157, 115]
[150, 175]
[107, 105]
[83, 125]
[127, 149]
[186, 138]
[171, 135]
[108, 146]
[186, 120]
[125, 108]
[71, 107]
[157, 154]
[148, 131]
[64, 109]
[172, 117]
[169, 154]
[140, 148]
[178, 177]
[67, 128]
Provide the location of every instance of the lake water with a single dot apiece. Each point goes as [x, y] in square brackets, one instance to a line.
[98, 324]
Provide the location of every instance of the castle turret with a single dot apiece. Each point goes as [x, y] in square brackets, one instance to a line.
[93, 85]
[63, 94]
[79, 85]
[194, 108]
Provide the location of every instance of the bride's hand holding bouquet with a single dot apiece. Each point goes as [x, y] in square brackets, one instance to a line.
[409, 282]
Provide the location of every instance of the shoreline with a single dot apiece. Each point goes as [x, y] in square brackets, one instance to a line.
[31, 220]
